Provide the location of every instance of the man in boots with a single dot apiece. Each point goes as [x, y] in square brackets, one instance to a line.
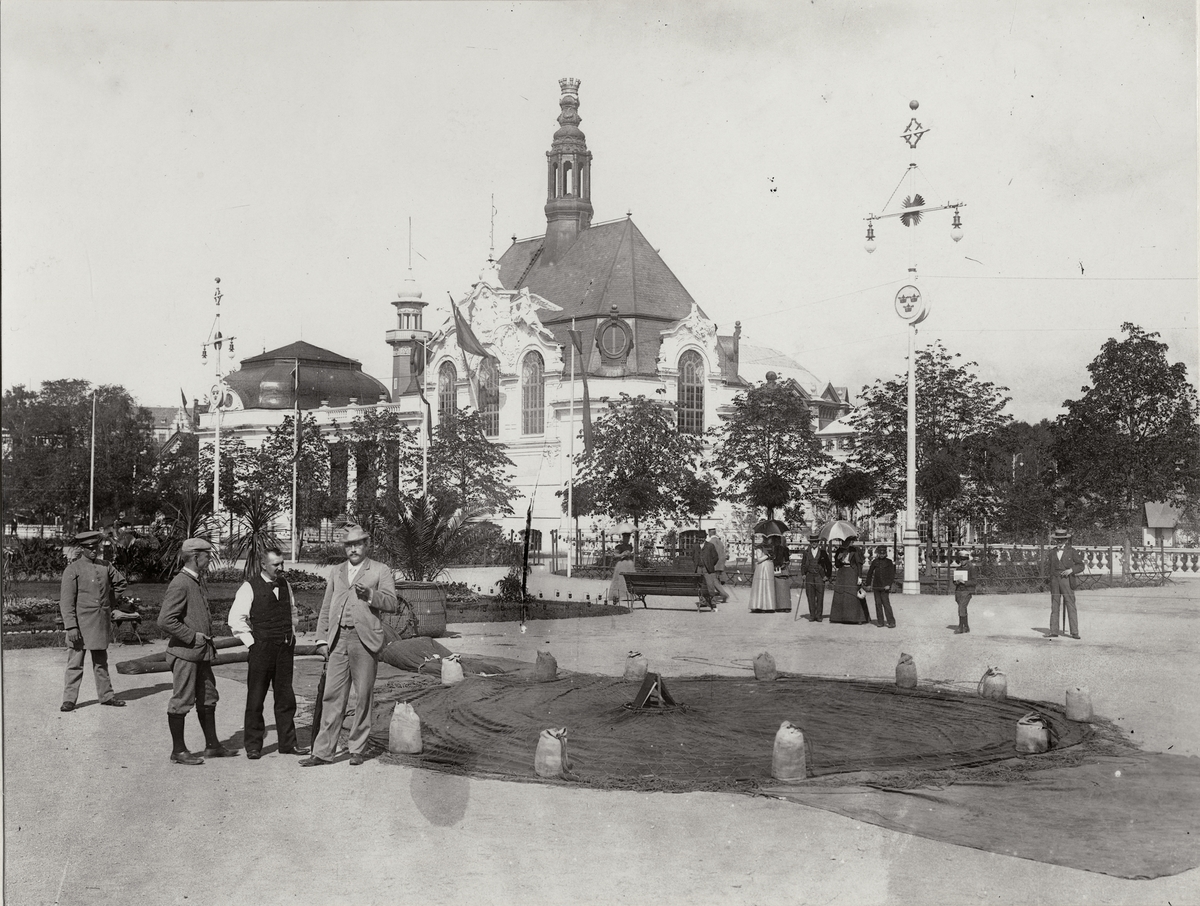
[186, 618]
[964, 587]
[86, 601]
[263, 616]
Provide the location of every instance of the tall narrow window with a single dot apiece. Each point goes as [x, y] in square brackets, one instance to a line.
[533, 394]
[489, 396]
[447, 399]
[691, 393]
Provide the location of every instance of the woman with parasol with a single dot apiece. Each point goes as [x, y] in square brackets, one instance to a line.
[762, 584]
[617, 590]
[847, 579]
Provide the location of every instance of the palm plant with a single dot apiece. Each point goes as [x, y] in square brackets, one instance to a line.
[190, 513]
[423, 535]
[255, 531]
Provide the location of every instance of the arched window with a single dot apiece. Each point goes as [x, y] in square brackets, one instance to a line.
[533, 394]
[691, 393]
[489, 396]
[447, 398]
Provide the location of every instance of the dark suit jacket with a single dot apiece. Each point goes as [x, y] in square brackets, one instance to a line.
[1055, 565]
[881, 574]
[818, 563]
[708, 557]
[340, 598]
[185, 612]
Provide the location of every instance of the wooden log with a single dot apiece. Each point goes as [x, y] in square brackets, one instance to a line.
[157, 663]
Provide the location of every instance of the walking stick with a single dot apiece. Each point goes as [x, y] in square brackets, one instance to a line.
[316, 719]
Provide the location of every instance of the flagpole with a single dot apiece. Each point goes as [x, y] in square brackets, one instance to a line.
[92, 492]
[425, 429]
[571, 459]
[295, 457]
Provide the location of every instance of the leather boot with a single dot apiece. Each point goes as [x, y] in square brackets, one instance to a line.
[212, 743]
[962, 626]
[179, 751]
[966, 625]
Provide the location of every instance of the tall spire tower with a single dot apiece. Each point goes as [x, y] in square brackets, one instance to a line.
[568, 178]
[409, 339]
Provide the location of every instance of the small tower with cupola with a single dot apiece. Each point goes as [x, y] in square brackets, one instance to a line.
[408, 340]
[568, 178]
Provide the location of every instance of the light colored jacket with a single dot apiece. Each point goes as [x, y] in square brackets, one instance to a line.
[86, 600]
[341, 600]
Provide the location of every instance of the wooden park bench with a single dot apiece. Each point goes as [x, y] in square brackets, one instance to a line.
[676, 585]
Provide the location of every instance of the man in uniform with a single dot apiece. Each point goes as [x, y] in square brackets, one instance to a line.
[1063, 565]
[86, 601]
[263, 616]
[186, 618]
[816, 568]
[351, 634]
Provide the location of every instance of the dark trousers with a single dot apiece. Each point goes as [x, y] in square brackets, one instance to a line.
[963, 597]
[814, 587]
[883, 605]
[270, 667]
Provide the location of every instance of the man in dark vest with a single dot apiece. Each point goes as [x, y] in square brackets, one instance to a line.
[816, 568]
[263, 616]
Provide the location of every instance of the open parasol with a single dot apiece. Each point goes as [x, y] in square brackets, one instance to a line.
[769, 527]
[839, 530]
[623, 528]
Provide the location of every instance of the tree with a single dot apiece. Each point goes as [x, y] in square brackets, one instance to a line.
[767, 450]
[313, 499]
[424, 535]
[955, 412]
[1017, 463]
[48, 472]
[1131, 438]
[639, 465]
[847, 488]
[384, 451]
[466, 469]
[240, 474]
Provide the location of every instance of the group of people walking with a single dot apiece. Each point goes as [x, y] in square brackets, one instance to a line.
[350, 637]
[838, 563]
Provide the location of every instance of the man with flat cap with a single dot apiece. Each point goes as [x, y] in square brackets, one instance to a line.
[1063, 564]
[816, 568]
[351, 635]
[86, 601]
[186, 618]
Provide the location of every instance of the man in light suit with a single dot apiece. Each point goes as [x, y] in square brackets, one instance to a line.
[351, 633]
[1063, 564]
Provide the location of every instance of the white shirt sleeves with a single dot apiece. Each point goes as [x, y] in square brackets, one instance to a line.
[239, 614]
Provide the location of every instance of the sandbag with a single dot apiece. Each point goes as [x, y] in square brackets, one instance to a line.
[546, 668]
[906, 672]
[404, 732]
[993, 685]
[1033, 734]
[789, 759]
[452, 671]
[550, 759]
[1079, 704]
[764, 668]
[635, 667]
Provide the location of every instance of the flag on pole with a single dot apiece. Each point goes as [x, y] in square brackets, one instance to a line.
[419, 372]
[466, 337]
[182, 398]
[577, 340]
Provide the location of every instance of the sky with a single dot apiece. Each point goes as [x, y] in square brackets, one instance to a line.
[149, 148]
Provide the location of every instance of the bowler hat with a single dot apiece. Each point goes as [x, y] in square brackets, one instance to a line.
[194, 545]
[87, 538]
[355, 533]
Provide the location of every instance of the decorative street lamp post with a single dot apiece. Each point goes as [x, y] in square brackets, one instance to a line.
[220, 396]
[912, 307]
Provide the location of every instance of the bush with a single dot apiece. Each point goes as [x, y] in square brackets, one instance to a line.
[460, 593]
[324, 554]
[301, 579]
[509, 588]
[31, 559]
[485, 544]
[28, 610]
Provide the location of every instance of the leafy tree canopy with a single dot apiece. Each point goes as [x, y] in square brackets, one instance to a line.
[848, 487]
[1131, 437]
[639, 465]
[767, 450]
[468, 471]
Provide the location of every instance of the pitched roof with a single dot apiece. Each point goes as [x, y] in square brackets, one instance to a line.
[305, 352]
[1162, 515]
[609, 264]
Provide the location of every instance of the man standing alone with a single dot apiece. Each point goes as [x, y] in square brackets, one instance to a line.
[965, 577]
[880, 577]
[186, 618]
[1063, 565]
[816, 567]
[263, 616]
[86, 600]
[351, 633]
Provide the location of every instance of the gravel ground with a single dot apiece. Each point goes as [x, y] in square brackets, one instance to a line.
[94, 812]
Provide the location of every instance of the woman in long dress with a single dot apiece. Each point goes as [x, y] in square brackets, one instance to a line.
[762, 584]
[617, 591]
[847, 564]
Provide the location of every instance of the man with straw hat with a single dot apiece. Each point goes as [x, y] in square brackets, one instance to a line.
[87, 597]
[1063, 564]
[351, 634]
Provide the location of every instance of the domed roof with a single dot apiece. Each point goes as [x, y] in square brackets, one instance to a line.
[410, 290]
[266, 381]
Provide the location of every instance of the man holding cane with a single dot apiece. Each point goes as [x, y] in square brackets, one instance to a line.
[350, 635]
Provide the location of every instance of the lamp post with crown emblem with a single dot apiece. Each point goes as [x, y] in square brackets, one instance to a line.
[220, 397]
[912, 307]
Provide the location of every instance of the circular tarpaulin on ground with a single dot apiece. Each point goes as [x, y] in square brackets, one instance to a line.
[721, 738]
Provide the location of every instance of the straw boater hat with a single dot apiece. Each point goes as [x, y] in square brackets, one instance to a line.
[814, 537]
[355, 533]
[1061, 535]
